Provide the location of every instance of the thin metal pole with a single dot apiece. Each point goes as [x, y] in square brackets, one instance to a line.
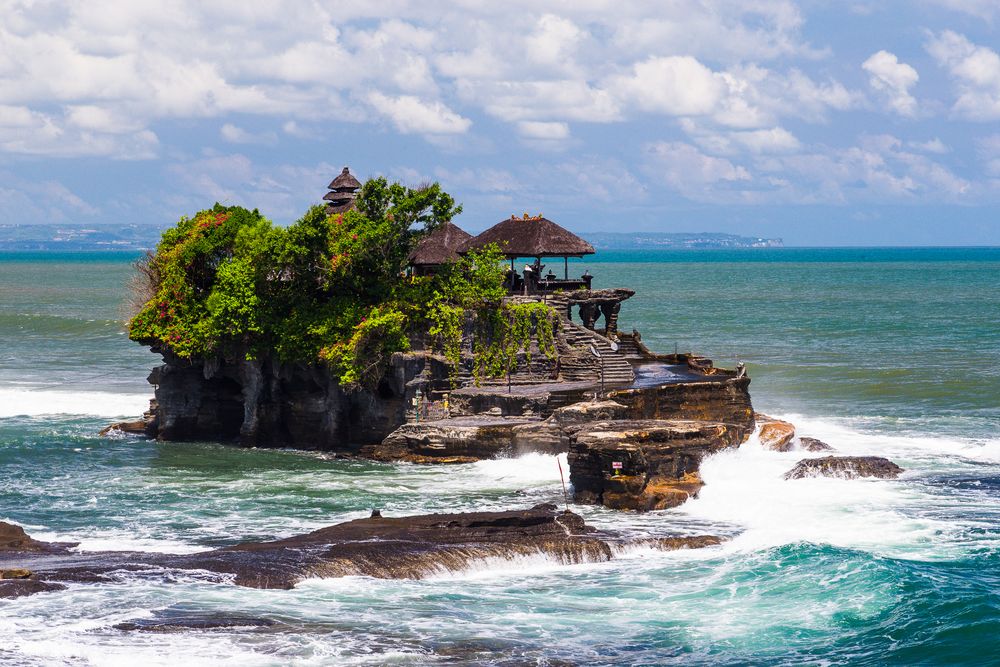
[563, 480]
[602, 377]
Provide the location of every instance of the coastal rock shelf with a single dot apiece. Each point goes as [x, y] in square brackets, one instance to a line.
[660, 457]
[411, 547]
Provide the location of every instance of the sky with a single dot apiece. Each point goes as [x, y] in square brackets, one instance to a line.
[823, 123]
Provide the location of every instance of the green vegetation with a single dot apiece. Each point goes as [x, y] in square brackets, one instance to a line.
[330, 289]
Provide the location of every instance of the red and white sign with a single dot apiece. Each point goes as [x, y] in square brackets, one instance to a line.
[617, 465]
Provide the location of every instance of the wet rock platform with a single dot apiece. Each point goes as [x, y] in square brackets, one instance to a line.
[411, 547]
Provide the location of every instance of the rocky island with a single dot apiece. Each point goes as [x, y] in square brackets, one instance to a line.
[375, 326]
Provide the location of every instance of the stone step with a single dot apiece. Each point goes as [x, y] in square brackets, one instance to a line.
[617, 369]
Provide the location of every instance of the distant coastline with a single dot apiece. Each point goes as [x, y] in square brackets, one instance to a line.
[133, 238]
[676, 240]
[142, 237]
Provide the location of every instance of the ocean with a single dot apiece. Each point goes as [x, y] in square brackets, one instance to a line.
[890, 352]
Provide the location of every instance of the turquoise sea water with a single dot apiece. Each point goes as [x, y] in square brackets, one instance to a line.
[877, 351]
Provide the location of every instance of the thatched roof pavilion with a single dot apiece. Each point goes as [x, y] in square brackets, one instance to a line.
[531, 236]
[438, 247]
[343, 189]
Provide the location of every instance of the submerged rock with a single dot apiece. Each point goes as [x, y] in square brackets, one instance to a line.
[19, 582]
[145, 425]
[181, 622]
[775, 434]
[19, 588]
[13, 538]
[845, 467]
[16, 573]
[385, 547]
[658, 459]
[814, 445]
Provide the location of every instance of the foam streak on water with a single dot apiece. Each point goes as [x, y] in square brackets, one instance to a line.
[35, 402]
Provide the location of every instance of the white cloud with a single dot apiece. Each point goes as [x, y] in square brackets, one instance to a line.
[984, 9]
[235, 179]
[878, 169]
[688, 170]
[411, 115]
[758, 97]
[676, 85]
[893, 79]
[29, 201]
[530, 129]
[934, 145]
[29, 132]
[554, 42]
[734, 31]
[237, 135]
[123, 68]
[989, 152]
[558, 100]
[976, 72]
[101, 119]
[292, 128]
[485, 180]
[773, 140]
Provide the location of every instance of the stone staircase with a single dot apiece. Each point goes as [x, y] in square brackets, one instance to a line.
[629, 348]
[581, 365]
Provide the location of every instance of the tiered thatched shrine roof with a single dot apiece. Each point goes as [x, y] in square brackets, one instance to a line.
[343, 189]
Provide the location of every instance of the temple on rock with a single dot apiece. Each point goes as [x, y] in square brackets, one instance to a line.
[343, 191]
[634, 423]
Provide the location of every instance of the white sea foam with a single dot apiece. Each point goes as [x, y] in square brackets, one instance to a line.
[27, 402]
[114, 540]
[530, 469]
[901, 518]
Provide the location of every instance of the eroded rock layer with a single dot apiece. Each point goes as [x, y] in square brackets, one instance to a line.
[723, 400]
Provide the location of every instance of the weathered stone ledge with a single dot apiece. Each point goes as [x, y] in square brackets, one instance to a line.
[390, 548]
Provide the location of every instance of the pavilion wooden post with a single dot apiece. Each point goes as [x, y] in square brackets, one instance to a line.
[565, 268]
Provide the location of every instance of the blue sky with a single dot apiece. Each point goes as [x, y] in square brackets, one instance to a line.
[825, 123]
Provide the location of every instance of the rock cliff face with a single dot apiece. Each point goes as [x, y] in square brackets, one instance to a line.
[724, 399]
[265, 403]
